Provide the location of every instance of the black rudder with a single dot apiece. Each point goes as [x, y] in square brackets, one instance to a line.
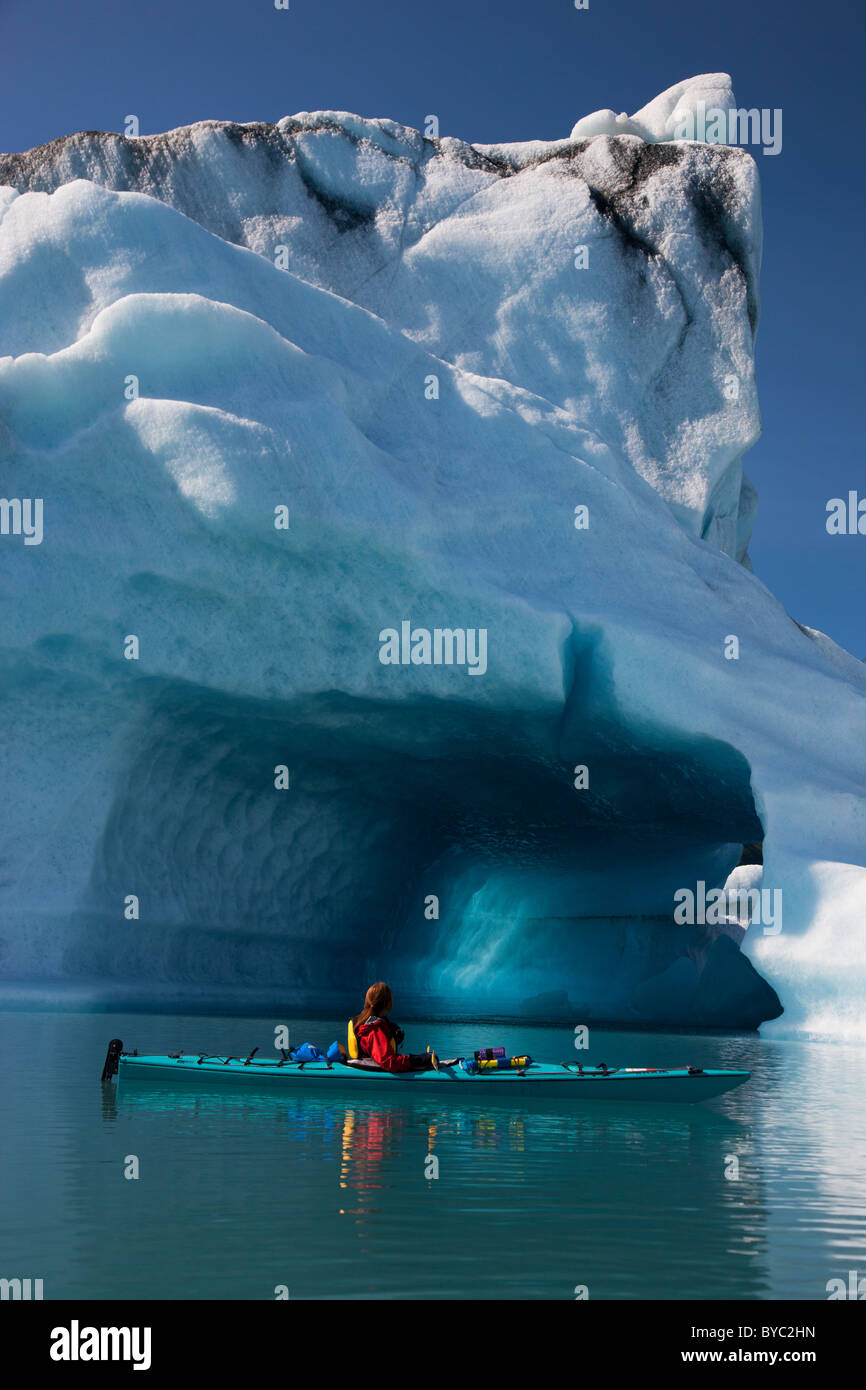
[115, 1047]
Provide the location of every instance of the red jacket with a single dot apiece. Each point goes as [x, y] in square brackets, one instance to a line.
[377, 1039]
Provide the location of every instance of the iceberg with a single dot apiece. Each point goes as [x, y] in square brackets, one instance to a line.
[292, 395]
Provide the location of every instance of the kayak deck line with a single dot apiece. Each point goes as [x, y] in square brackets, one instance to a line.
[562, 1080]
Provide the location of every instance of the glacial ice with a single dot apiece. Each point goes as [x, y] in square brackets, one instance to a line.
[428, 382]
[659, 119]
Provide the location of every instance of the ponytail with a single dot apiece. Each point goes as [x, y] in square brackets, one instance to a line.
[378, 1000]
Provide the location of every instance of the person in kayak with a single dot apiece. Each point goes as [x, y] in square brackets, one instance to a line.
[373, 1035]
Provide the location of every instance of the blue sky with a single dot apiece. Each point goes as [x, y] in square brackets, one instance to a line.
[522, 69]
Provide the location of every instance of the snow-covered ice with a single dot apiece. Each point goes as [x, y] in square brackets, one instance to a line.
[662, 116]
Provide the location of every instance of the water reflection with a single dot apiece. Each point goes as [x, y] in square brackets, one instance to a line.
[575, 1183]
[241, 1192]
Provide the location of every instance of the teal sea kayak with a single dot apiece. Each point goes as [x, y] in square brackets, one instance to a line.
[548, 1080]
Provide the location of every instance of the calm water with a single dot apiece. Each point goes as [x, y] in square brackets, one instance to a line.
[240, 1193]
